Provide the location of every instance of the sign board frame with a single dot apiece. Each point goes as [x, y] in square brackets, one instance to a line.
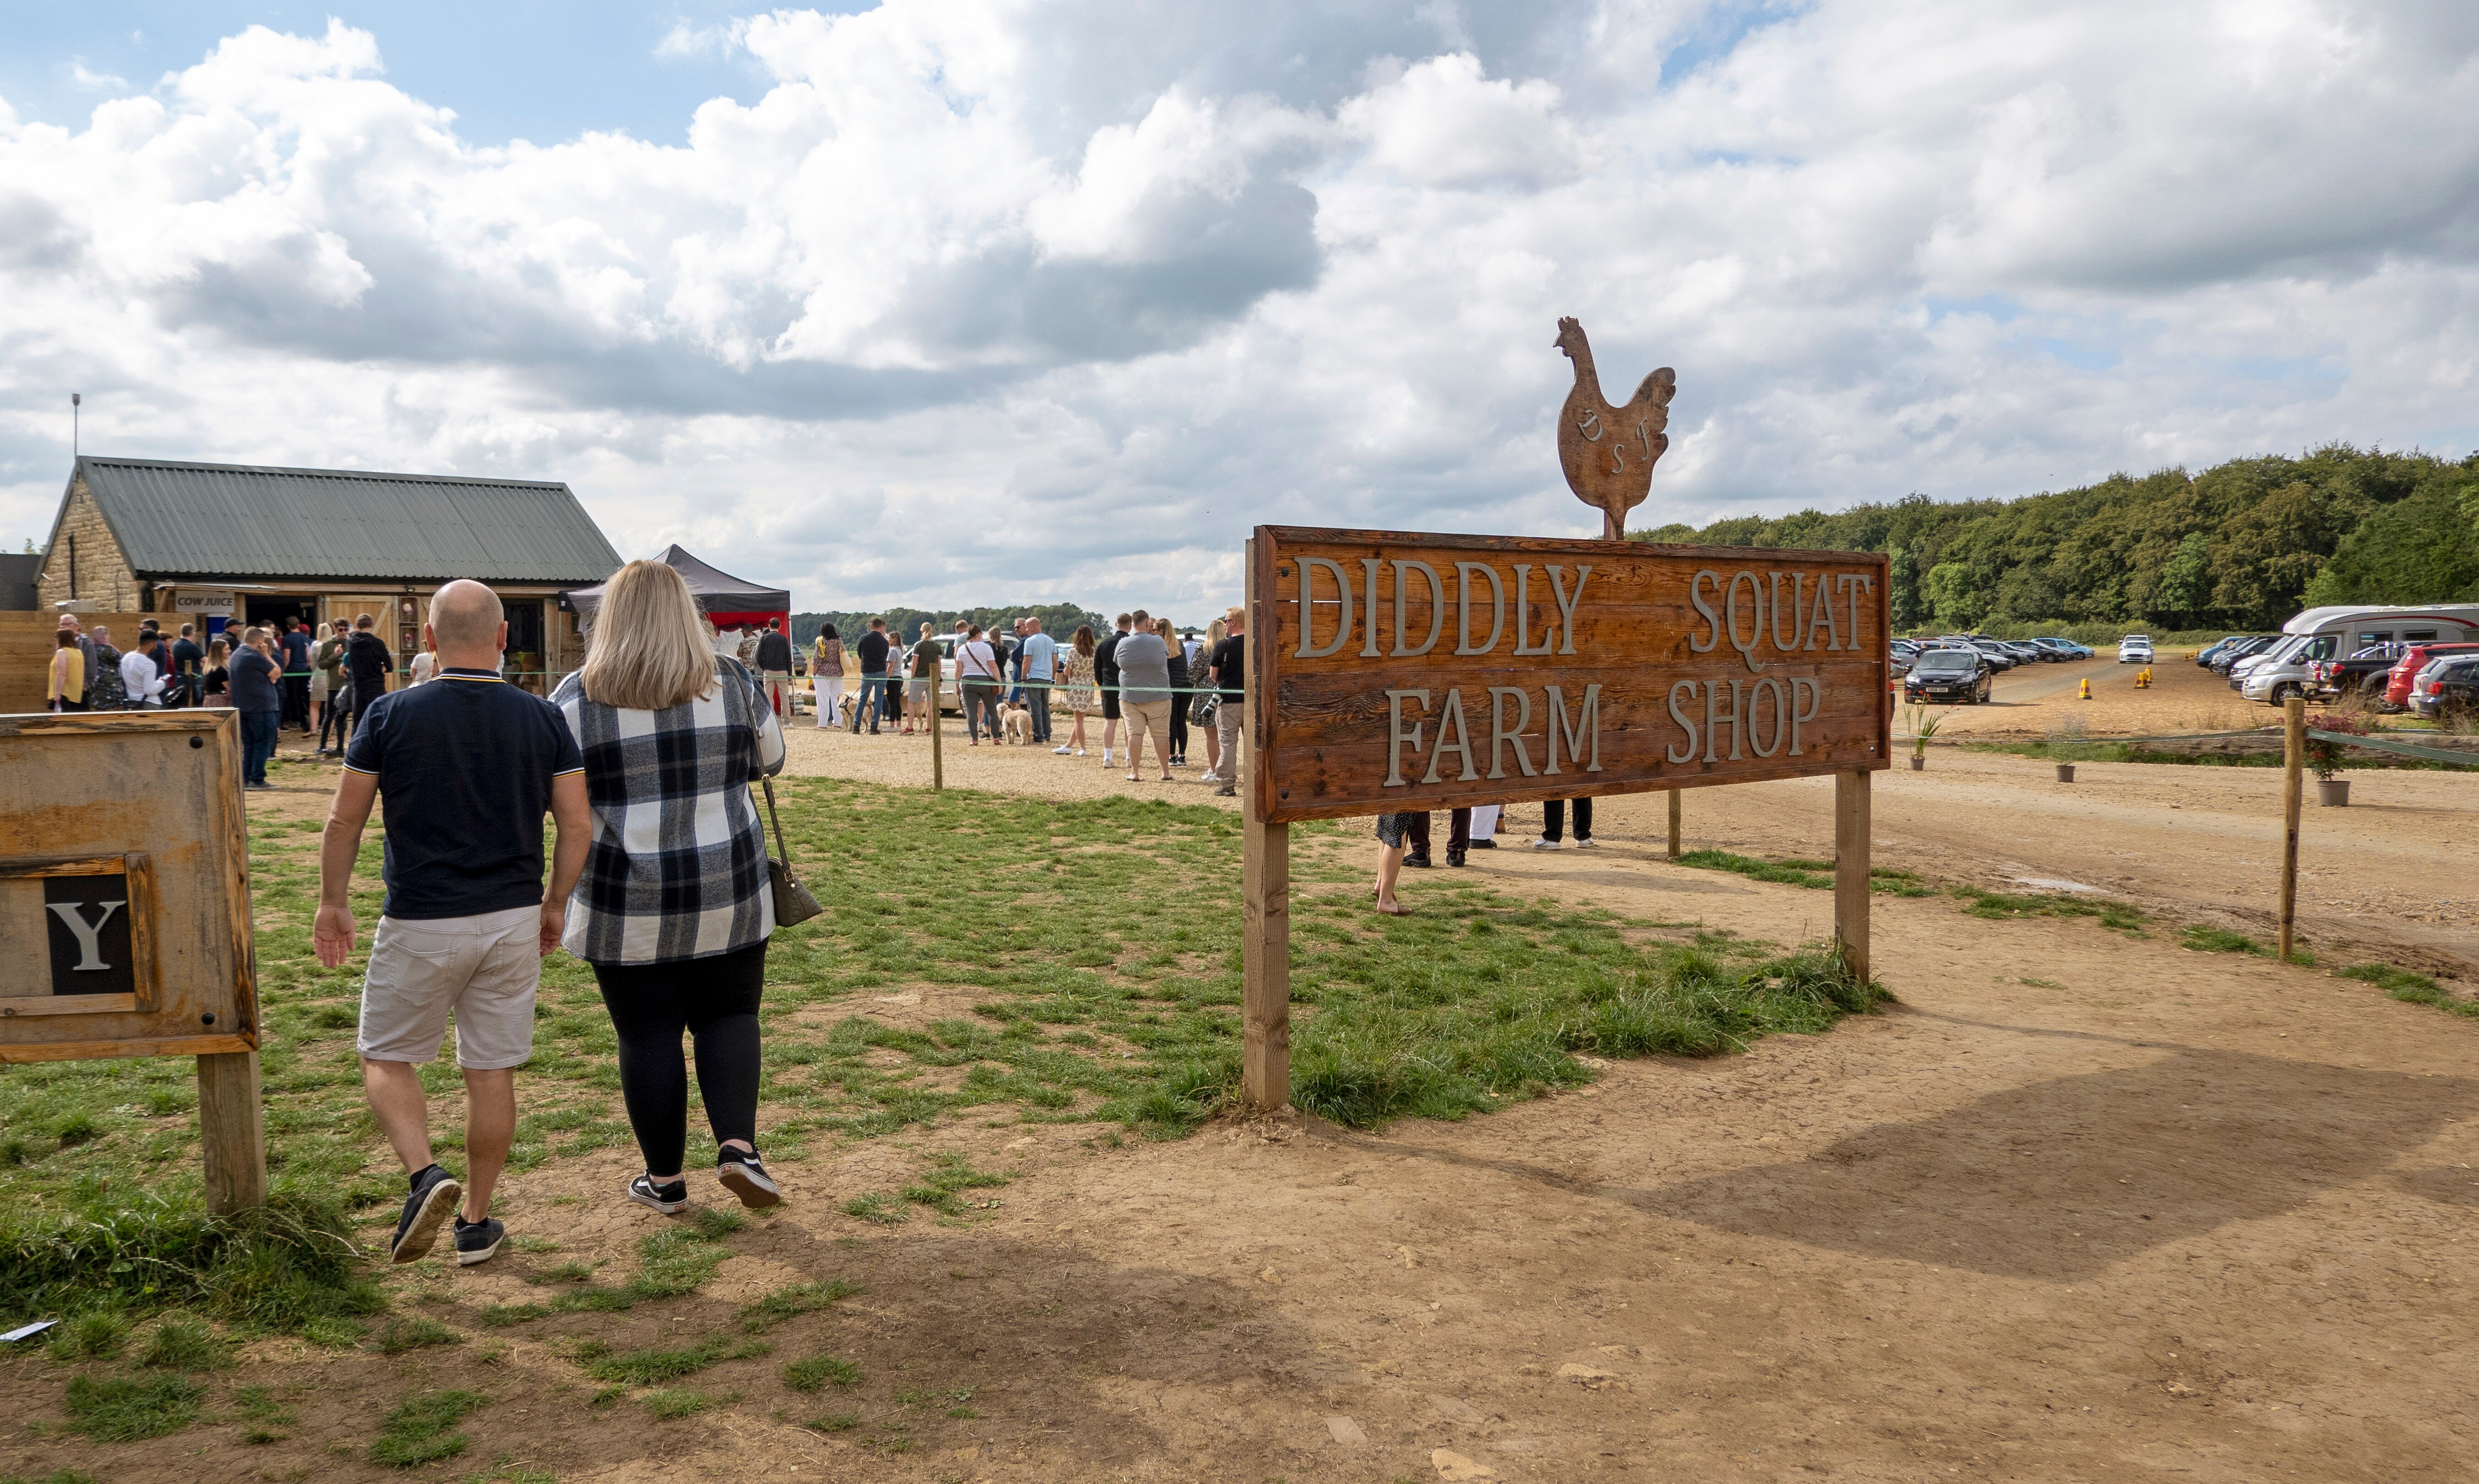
[135, 870]
[154, 799]
[1476, 637]
[1327, 741]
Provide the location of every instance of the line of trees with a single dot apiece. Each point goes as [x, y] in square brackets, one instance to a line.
[2241, 546]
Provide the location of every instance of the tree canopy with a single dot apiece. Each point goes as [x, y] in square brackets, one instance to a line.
[2243, 545]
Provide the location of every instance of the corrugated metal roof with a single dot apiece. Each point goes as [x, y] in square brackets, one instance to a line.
[237, 520]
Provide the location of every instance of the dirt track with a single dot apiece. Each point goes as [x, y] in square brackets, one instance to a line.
[2082, 1207]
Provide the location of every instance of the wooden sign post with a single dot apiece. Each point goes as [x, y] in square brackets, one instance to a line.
[1391, 671]
[124, 911]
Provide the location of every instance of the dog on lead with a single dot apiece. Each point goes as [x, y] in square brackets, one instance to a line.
[1015, 724]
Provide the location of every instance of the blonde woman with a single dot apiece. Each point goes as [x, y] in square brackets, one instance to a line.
[219, 676]
[1202, 706]
[65, 691]
[827, 678]
[674, 910]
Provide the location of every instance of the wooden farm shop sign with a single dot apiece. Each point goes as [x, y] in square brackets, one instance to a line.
[1414, 671]
[1390, 672]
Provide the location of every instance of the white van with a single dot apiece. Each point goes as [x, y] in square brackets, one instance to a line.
[2280, 672]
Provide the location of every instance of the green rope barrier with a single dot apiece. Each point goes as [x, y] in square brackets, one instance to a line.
[2387, 745]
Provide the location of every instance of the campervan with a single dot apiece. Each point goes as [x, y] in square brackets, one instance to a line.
[2280, 672]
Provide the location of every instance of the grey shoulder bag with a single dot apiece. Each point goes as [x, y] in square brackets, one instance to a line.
[793, 902]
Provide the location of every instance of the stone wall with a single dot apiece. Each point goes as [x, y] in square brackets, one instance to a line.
[103, 576]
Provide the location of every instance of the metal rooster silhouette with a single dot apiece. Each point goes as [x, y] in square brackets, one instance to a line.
[1608, 453]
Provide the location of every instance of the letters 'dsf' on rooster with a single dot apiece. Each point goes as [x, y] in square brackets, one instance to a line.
[1608, 453]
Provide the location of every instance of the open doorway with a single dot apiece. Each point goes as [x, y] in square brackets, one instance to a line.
[268, 608]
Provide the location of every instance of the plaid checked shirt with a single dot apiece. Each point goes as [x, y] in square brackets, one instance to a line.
[678, 868]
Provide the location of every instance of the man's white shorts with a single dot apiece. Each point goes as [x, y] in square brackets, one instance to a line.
[484, 968]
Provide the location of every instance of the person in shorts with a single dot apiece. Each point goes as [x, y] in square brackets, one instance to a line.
[1392, 829]
[1106, 677]
[920, 695]
[468, 766]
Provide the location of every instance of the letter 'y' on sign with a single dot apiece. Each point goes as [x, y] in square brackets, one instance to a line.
[90, 934]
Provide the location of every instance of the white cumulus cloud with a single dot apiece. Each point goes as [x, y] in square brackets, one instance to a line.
[986, 298]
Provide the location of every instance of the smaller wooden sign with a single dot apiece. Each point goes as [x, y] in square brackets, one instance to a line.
[124, 892]
[125, 915]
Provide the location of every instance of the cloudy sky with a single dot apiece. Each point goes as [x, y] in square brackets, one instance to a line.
[975, 301]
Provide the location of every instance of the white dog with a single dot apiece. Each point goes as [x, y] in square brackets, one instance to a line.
[1015, 724]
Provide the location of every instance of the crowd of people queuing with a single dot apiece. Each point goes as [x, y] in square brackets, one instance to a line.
[276, 676]
[1143, 676]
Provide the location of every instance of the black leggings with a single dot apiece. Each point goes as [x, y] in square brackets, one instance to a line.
[715, 1000]
[1554, 819]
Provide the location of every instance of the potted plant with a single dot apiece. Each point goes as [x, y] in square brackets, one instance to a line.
[2070, 733]
[1924, 725]
[2331, 791]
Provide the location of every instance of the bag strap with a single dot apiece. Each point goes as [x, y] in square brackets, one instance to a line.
[781, 854]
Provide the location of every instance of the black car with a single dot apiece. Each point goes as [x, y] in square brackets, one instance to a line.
[2253, 643]
[1962, 675]
[2450, 688]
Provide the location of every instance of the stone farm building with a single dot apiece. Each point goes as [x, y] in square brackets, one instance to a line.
[212, 542]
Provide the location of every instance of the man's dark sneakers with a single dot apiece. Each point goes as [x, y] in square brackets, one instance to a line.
[743, 1176]
[434, 1198]
[1454, 857]
[1484, 845]
[478, 1241]
[1420, 858]
[667, 1199]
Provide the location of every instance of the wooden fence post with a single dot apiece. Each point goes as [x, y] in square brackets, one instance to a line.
[1851, 826]
[1265, 898]
[1674, 823]
[2293, 762]
[232, 1131]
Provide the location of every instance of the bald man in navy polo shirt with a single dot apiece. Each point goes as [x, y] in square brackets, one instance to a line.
[468, 765]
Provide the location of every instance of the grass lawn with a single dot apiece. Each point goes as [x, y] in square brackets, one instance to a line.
[1084, 960]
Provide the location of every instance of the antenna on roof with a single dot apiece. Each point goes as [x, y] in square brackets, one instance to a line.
[74, 399]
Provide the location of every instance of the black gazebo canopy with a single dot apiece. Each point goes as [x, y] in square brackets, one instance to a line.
[729, 601]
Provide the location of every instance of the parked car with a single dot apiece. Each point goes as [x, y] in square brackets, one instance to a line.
[2447, 687]
[2205, 656]
[1958, 674]
[2065, 648]
[2135, 650]
[2334, 678]
[2232, 655]
[1997, 654]
[2415, 657]
[2321, 634]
